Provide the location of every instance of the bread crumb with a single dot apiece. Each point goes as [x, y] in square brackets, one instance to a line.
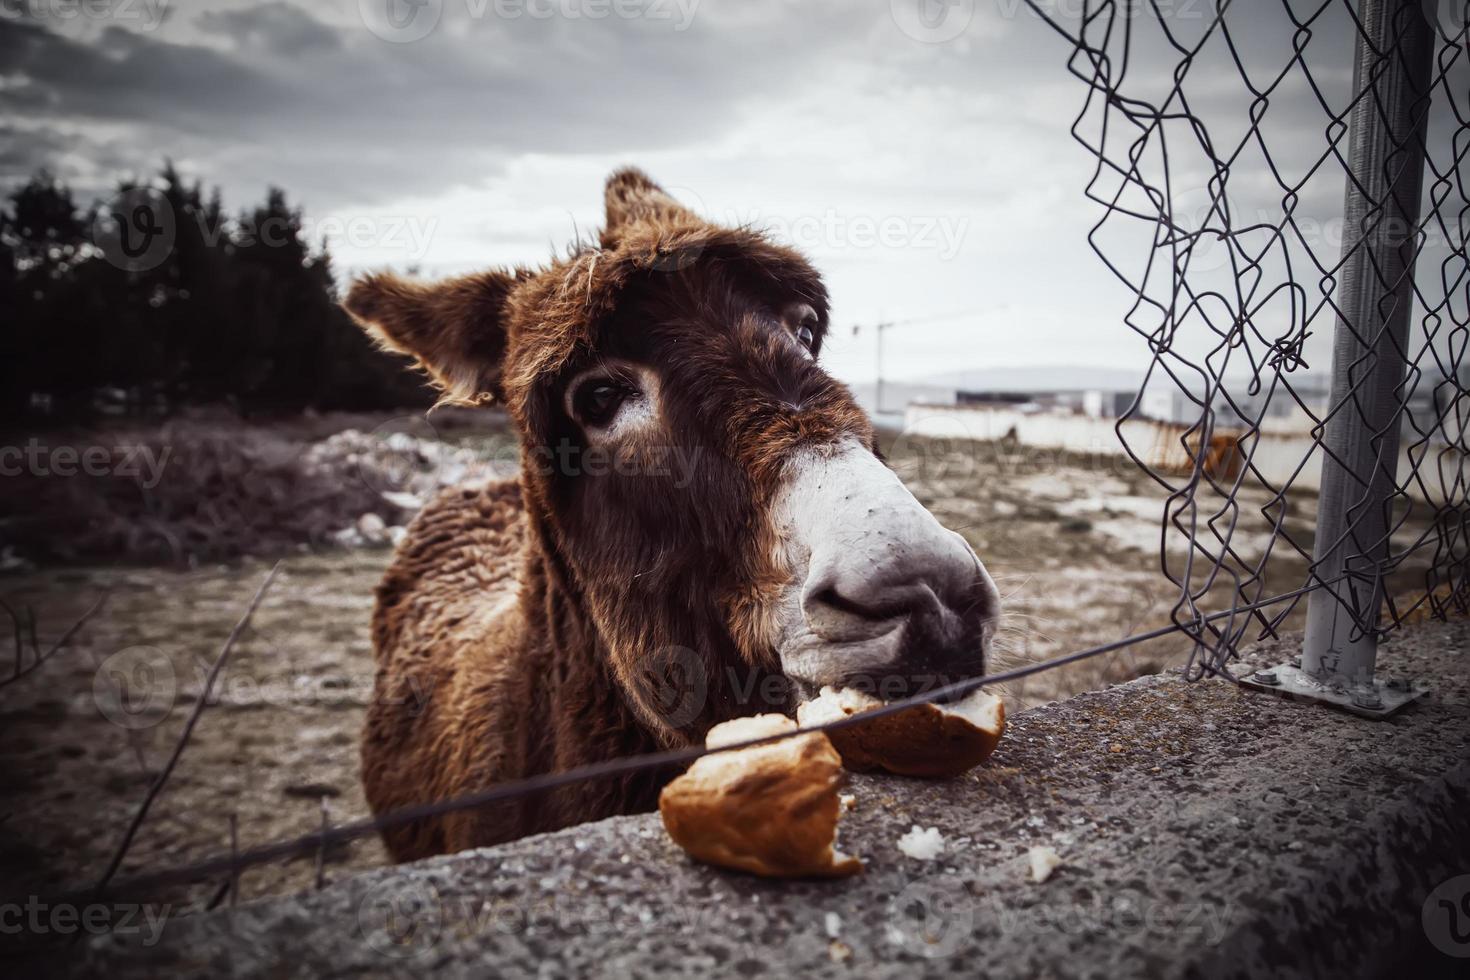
[1044, 860]
[922, 843]
[847, 800]
[833, 923]
[838, 951]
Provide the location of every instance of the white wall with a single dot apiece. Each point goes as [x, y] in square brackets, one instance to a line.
[1277, 456]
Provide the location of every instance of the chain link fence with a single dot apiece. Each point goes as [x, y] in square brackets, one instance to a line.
[1306, 344]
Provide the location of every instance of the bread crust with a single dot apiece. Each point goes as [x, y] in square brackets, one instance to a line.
[928, 740]
[771, 810]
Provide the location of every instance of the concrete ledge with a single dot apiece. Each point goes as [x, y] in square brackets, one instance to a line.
[1206, 832]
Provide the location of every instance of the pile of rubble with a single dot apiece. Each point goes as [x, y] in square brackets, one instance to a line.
[406, 470]
[219, 492]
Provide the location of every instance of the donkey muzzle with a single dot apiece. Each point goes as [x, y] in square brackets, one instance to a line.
[881, 590]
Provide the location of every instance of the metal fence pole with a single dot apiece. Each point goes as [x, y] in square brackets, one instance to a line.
[1386, 160]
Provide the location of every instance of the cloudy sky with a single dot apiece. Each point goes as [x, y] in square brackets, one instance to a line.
[921, 155]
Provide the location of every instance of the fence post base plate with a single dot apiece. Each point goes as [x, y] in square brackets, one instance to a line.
[1379, 701]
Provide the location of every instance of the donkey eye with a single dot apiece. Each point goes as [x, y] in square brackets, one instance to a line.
[597, 401]
[801, 319]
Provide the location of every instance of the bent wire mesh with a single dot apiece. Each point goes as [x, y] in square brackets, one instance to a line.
[1220, 170]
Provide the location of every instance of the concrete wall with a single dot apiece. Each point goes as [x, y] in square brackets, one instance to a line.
[1205, 832]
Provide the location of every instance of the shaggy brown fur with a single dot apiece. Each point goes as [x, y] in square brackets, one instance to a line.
[571, 617]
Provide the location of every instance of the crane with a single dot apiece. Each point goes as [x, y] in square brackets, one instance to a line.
[882, 326]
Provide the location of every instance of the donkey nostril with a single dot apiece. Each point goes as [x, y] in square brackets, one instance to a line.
[863, 610]
[875, 611]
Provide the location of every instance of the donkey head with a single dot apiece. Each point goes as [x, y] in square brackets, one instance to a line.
[704, 491]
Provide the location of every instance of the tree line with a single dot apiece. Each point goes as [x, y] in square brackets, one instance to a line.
[158, 299]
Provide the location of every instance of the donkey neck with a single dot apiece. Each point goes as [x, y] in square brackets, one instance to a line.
[574, 689]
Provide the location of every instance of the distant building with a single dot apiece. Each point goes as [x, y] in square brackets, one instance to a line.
[1092, 402]
[1292, 404]
[1100, 404]
[1008, 399]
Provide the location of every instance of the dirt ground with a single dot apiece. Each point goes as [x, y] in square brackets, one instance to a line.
[1072, 542]
[279, 734]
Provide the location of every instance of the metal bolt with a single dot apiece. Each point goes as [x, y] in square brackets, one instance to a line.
[1296, 662]
[1367, 697]
[1266, 677]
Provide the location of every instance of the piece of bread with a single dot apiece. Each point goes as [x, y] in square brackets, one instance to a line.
[771, 809]
[933, 740]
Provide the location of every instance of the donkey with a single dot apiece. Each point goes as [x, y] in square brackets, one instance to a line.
[608, 602]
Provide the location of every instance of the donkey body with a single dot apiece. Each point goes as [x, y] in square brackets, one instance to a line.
[473, 627]
[604, 603]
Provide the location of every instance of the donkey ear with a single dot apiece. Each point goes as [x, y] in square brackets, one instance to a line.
[454, 328]
[631, 197]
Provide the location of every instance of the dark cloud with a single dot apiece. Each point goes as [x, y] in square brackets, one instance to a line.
[273, 93]
[282, 93]
[276, 28]
[129, 77]
[337, 113]
[23, 152]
